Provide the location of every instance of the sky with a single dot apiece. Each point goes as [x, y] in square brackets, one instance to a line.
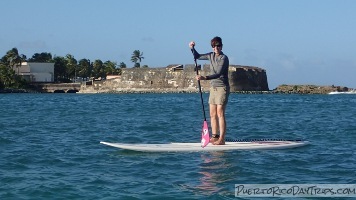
[295, 41]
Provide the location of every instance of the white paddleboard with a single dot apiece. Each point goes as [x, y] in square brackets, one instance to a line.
[229, 146]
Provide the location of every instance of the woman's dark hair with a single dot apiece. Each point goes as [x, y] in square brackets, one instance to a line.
[216, 41]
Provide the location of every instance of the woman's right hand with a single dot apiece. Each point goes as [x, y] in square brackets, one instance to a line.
[191, 44]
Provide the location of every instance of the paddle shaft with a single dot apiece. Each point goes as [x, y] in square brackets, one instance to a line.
[201, 94]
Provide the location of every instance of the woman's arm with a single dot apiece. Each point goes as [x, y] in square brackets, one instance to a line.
[220, 67]
[200, 56]
[196, 54]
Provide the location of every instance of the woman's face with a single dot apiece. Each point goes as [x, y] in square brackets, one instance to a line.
[217, 48]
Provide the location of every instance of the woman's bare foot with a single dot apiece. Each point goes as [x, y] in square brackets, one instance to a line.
[213, 140]
[219, 142]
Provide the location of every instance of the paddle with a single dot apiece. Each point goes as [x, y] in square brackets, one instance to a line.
[205, 138]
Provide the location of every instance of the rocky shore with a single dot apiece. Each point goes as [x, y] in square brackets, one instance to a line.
[309, 89]
[281, 89]
[13, 91]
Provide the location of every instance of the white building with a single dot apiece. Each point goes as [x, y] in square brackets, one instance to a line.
[36, 72]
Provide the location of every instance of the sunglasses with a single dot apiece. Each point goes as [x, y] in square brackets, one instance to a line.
[215, 46]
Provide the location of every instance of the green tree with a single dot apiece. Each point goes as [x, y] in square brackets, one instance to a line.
[98, 69]
[137, 57]
[9, 56]
[10, 63]
[110, 67]
[6, 76]
[60, 73]
[84, 68]
[15, 62]
[41, 57]
[3, 71]
[122, 65]
[71, 66]
[13, 59]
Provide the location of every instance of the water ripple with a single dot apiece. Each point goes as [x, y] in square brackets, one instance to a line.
[50, 147]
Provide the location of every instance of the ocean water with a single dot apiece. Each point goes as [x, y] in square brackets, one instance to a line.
[49, 145]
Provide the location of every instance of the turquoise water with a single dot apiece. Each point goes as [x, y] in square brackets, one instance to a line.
[49, 145]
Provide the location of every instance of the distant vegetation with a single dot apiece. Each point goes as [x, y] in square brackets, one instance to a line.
[66, 69]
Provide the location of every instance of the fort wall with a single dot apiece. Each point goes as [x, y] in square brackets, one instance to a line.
[176, 78]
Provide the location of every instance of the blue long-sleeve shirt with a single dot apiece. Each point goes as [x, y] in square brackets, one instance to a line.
[219, 68]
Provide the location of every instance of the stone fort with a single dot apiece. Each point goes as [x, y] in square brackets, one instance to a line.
[177, 78]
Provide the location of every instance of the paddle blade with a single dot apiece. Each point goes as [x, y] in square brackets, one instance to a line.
[205, 138]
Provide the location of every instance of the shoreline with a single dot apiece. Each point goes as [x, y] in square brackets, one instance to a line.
[282, 89]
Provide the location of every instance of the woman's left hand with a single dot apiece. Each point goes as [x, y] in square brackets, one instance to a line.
[198, 77]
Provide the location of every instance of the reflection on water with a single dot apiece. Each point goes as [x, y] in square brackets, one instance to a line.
[216, 170]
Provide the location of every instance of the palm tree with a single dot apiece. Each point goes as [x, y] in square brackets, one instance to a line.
[41, 57]
[110, 67]
[84, 68]
[137, 57]
[98, 69]
[71, 65]
[14, 59]
[7, 75]
[122, 65]
[59, 68]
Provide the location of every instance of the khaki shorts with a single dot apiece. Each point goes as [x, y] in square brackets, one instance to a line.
[219, 95]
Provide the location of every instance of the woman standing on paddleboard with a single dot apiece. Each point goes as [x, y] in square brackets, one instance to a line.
[219, 90]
